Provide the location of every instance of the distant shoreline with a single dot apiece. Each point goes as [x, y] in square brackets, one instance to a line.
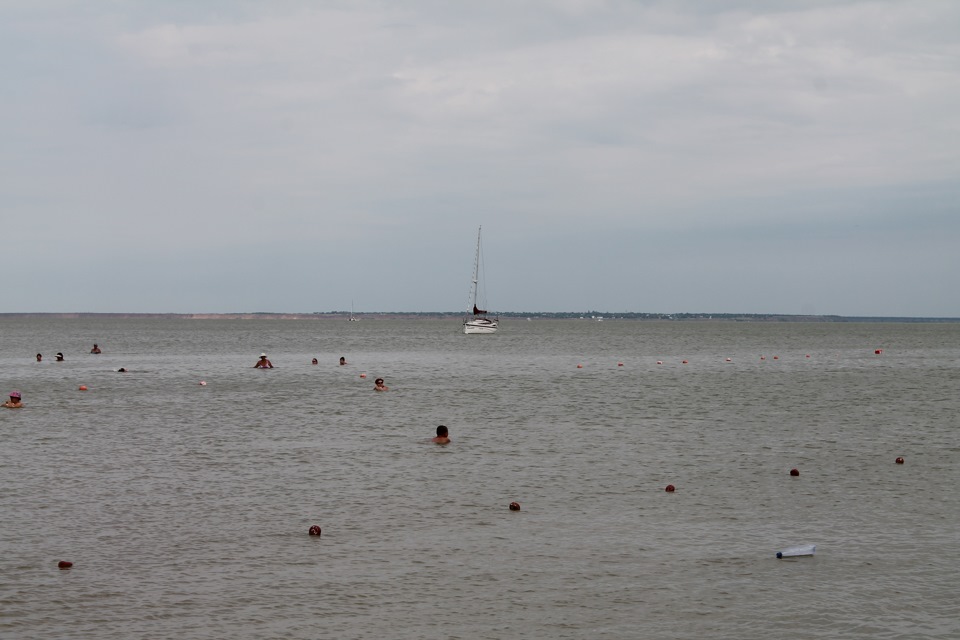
[447, 315]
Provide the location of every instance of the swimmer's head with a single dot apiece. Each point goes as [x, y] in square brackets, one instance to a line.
[378, 381]
[262, 356]
[442, 431]
[14, 395]
[315, 361]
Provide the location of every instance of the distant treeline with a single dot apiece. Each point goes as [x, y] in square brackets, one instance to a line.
[546, 315]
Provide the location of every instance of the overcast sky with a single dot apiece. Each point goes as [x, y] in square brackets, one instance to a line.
[226, 156]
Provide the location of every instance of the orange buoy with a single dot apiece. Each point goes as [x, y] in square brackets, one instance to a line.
[776, 357]
[579, 366]
[899, 460]
[64, 564]
[670, 488]
[363, 375]
[83, 387]
[794, 472]
[514, 506]
[315, 530]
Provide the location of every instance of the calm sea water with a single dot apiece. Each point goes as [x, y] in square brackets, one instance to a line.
[185, 508]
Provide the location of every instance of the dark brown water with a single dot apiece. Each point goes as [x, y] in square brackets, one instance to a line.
[185, 508]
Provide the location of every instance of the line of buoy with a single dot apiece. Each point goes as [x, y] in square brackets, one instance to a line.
[794, 472]
[514, 506]
[64, 564]
[670, 488]
[315, 530]
[899, 461]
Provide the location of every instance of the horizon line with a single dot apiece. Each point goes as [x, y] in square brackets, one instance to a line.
[591, 314]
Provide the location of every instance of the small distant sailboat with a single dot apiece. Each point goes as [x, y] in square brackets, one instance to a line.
[478, 321]
[353, 318]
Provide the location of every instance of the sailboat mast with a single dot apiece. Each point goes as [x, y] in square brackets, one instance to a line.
[476, 272]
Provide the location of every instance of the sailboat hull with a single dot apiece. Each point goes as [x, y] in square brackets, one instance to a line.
[480, 325]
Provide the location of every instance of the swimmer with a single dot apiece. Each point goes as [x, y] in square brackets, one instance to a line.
[379, 386]
[39, 357]
[315, 361]
[442, 436]
[14, 401]
[122, 370]
[263, 363]
[343, 361]
[59, 357]
[95, 349]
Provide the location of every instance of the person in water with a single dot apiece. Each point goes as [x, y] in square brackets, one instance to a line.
[263, 363]
[95, 349]
[122, 370]
[315, 361]
[379, 386]
[39, 357]
[14, 401]
[343, 361]
[59, 357]
[443, 436]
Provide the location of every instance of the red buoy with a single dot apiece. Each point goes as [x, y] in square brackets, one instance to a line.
[728, 359]
[684, 362]
[514, 506]
[776, 357]
[315, 530]
[579, 366]
[659, 361]
[794, 472]
[619, 364]
[899, 460]
[83, 387]
[670, 488]
[878, 351]
[64, 564]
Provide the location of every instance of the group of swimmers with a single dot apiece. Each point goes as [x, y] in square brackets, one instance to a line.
[264, 363]
[442, 437]
[95, 350]
[378, 385]
[16, 400]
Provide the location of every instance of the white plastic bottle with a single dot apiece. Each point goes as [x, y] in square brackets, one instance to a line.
[799, 550]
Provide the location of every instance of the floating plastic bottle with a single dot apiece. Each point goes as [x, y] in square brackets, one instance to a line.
[799, 550]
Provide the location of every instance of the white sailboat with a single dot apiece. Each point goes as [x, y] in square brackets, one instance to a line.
[353, 318]
[478, 321]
